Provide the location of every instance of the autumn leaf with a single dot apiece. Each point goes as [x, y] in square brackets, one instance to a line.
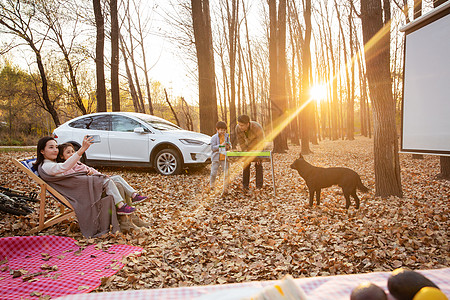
[396, 264]
[199, 238]
[15, 273]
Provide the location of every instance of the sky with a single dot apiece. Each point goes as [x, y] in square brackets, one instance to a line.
[169, 65]
[166, 65]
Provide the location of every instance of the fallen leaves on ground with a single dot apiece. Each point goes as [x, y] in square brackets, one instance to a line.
[200, 238]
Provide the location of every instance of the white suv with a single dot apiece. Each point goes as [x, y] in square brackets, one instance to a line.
[134, 139]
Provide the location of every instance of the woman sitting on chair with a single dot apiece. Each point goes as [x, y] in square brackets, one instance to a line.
[129, 194]
[95, 213]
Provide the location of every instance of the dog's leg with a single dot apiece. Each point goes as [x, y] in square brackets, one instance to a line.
[355, 196]
[347, 198]
[318, 196]
[311, 196]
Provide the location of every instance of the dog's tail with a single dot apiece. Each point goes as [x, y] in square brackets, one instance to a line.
[362, 187]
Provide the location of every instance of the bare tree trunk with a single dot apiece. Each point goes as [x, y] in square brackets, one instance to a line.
[49, 105]
[246, 72]
[232, 18]
[417, 8]
[369, 112]
[13, 20]
[350, 106]
[436, 3]
[294, 130]
[365, 108]
[205, 57]
[225, 89]
[241, 105]
[351, 92]
[99, 56]
[129, 76]
[115, 94]
[273, 61]
[334, 102]
[312, 113]
[445, 167]
[52, 15]
[279, 101]
[171, 108]
[306, 114]
[362, 108]
[276, 98]
[140, 102]
[387, 166]
[298, 46]
[251, 81]
[144, 61]
[333, 109]
[187, 114]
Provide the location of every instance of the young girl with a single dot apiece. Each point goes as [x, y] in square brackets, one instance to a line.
[47, 153]
[67, 150]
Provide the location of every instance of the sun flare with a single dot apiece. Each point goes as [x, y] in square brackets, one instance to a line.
[318, 92]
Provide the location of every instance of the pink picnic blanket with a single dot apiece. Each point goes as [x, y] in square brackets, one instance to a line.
[55, 266]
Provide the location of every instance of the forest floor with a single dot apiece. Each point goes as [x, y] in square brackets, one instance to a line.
[200, 238]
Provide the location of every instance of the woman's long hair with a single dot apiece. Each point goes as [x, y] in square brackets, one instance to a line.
[41, 146]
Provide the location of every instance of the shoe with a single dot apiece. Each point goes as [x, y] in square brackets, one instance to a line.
[125, 210]
[138, 199]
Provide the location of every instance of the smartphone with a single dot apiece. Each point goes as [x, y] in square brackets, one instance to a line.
[96, 138]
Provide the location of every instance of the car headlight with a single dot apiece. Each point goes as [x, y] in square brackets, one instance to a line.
[192, 142]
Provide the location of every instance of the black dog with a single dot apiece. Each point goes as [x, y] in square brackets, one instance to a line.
[317, 178]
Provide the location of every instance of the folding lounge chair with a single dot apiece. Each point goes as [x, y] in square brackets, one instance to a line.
[66, 210]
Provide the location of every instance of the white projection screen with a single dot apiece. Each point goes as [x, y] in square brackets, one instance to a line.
[426, 84]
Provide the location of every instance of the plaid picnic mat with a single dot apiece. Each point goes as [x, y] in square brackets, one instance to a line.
[337, 287]
[55, 266]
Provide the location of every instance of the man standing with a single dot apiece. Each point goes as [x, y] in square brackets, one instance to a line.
[250, 136]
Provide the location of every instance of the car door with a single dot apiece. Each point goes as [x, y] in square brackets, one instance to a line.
[99, 125]
[93, 125]
[125, 144]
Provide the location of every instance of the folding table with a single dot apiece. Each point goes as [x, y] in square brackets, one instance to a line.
[265, 155]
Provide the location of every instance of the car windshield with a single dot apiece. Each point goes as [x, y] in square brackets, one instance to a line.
[160, 124]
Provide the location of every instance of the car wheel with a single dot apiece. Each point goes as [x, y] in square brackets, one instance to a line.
[168, 162]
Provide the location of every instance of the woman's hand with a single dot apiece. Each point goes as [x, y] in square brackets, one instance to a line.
[87, 142]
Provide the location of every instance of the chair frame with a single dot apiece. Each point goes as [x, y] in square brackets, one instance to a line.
[66, 209]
